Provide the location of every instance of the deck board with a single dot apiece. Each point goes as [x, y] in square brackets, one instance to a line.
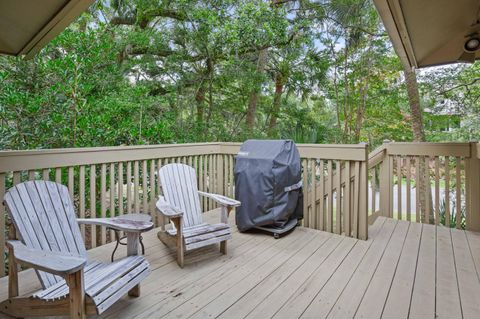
[448, 298]
[377, 292]
[469, 289]
[422, 301]
[398, 300]
[405, 270]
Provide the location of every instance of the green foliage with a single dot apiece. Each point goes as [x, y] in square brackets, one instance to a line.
[156, 71]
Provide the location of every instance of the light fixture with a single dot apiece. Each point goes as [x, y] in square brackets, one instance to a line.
[472, 44]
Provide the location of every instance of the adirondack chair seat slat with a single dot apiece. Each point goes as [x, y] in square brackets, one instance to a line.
[102, 281]
[199, 229]
[208, 241]
[181, 204]
[55, 290]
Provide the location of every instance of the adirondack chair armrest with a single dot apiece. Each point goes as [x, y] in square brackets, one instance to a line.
[52, 262]
[119, 223]
[167, 210]
[222, 200]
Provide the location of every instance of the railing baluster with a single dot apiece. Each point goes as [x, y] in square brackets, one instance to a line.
[93, 206]
[71, 182]
[161, 219]
[409, 188]
[112, 196]
[46, 174]
[437, 190]
[305, 194]
[330, 196]
[373, 188]
[201, 178]
[399, 187]
[31, 175]
[3, 225]
[390, 165]
[16, 178]
[321, 210]
[447, 191]
[220, 182]
[231, 177]
[313, 197]
[58, 175]
[159, 185]
[120, 190]
[136, 183]
[153, 197]
[211, 180]
[81, 197]
[346, 201]
[458, 193]
[103, 202]
[144, 187]
[356, 201]
[417, 189]
[338, 205]
[129, 187]
[428, 189]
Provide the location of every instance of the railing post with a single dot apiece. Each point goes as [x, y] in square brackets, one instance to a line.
[363, 198]
[385, 186]
[472, 188]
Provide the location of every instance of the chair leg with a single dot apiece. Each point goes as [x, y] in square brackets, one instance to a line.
[77, 295]
[180, 248]
[223, 247]
[12, 275]
[180, 253]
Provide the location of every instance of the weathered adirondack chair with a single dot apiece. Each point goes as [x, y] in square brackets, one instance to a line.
[181, 204]
[51, 243]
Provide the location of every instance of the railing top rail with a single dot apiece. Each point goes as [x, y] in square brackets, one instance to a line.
[377, 155]
[348, 152]
[39, 159]
[428, 149]
[102, 149]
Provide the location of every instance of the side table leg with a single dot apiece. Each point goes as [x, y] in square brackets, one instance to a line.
[117, 239]
[132, 250]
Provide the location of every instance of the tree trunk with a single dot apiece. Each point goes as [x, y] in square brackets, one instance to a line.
[361, 111]
[415, 109]
[252, 102]
[425, 190]
[346, 105]
[277, 101]
[200, 99]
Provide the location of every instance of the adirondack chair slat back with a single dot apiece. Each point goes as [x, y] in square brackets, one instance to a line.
[44, 217]
[179, 185]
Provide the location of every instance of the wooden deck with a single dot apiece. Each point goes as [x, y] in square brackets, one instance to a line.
[405, 270]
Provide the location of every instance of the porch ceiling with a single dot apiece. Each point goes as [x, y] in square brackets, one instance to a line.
[28, 25]
[430, 32]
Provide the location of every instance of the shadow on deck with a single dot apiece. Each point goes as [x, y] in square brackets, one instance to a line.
[405, 270]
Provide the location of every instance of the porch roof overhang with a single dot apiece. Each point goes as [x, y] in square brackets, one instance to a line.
[430, 32]
[26, 26]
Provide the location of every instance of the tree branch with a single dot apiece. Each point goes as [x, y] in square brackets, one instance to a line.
[466, 85]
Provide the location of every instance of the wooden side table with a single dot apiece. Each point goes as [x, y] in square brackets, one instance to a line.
[129, 219]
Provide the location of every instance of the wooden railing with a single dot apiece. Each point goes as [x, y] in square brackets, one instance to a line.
[335, 187]
[436, 183]
[111, 181]
[344, 186]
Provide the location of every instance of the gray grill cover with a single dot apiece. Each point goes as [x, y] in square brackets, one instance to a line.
[268, 183]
